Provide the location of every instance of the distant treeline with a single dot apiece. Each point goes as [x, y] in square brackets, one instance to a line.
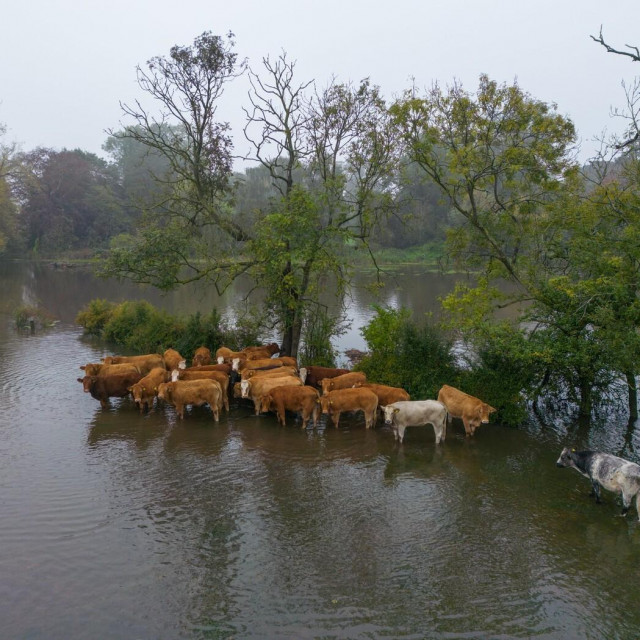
[73, 203]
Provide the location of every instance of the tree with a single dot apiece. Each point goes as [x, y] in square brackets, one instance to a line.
[190, 234]
[291, 241]
[69, 200]
[8, 208]
[332, 158]
[503, 161]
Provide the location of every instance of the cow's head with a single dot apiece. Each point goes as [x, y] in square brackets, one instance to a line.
[303, 374]
[325, 403]
[567, 458]
[389, 411]
[164, 390]
[484, 411]
[175, 374]
[136, 390]
[220, 360]
[87, 383]
[235, 364]
[245, 385]
[327, 385]
[265, 403]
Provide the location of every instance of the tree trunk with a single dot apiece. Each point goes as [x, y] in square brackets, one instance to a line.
[586, 402]
[291, 335]
[633, 396]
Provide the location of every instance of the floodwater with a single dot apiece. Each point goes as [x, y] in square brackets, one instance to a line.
[121, 525]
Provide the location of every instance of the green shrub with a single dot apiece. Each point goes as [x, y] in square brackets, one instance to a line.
[503, 369]
[140, 327]
[403, 354]
[30, 316]
[95, 316]
[316, 348]
[199, 331]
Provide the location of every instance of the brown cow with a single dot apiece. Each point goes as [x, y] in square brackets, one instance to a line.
[313, 375]
[473, 411]
[144, 391]
[386, 395]
[193, 392]
[145, 362]
[114, 385]
[225, 368]
[292, 398]
[220, 377]
[255, 388]
[201, 356]
[344, 381]
[226, 355]
[271, 372]
[99, 369]
[284, 361]
[339, 400]
[265, 350]
[173, 360]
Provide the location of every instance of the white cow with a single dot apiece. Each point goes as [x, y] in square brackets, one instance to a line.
[416, 413]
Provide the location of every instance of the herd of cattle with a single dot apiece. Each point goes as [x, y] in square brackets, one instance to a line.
[277, 384]
[274, 384]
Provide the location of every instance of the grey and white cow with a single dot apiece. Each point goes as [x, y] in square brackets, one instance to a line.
[416, 413]
[605, 470]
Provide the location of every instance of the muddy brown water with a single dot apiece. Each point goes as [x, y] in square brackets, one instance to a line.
[120, 525]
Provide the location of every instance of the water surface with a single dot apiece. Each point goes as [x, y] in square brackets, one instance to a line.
[121, 525]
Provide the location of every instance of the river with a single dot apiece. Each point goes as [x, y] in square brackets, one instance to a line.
[121, 525]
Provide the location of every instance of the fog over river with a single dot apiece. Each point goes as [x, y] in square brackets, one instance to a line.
[121, 525]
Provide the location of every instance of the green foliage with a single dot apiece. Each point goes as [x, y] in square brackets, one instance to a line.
[95, 316]
[29, 316]
[319, 328]
[200, 330]
[139, 327]
[402, 354]
[504, 368]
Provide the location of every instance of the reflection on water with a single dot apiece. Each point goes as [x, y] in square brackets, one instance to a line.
[121, 525]
[63, 292]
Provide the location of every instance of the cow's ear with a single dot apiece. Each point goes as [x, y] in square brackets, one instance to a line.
[80, 380]
[83, 367]
[492, 409]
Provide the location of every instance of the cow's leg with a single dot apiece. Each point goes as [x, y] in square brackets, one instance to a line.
[595, 490]
[336, 418]
[626, 502]
[400, 433]
[437, 429]
[467, 427]
[638, 504]
[104, 403]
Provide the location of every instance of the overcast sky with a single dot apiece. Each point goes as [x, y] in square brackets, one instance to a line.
[67, 64]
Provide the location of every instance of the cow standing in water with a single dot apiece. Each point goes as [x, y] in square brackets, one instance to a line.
[416, 413]
[470, 409]
[605, 470]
